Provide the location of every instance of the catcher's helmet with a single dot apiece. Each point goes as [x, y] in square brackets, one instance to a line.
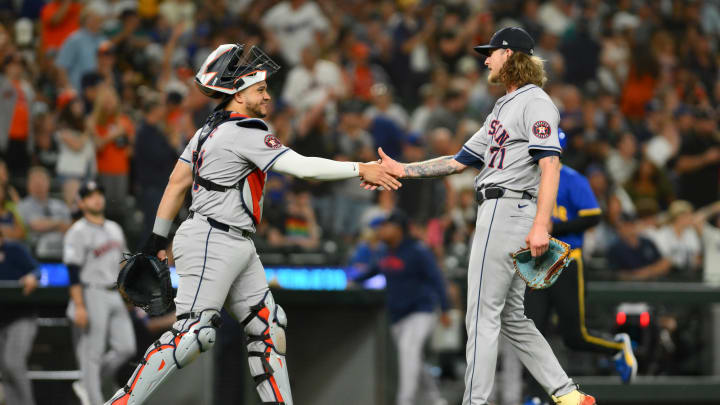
[233, 67]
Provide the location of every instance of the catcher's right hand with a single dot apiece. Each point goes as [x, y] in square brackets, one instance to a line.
[144, 281]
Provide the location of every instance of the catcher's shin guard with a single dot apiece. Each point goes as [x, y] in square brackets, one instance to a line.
[265, 329]
[174, 350]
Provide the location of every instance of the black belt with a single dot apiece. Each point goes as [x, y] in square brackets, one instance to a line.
[491, 193]
[221, 226]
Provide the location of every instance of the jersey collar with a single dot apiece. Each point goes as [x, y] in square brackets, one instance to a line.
[512, 93]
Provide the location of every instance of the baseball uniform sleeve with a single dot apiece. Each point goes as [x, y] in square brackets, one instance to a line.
[260, 147]
[542, 120]
[583, 198]
[74, 248]
[186, 156]
[429, 265]
[473, 151]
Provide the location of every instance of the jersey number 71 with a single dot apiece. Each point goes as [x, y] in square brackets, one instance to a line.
[495, 151]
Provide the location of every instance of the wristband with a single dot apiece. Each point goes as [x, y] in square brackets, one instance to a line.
[162, 227]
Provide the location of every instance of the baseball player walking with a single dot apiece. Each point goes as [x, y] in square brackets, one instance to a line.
[517, 151]
[103, 333]
[415, 287]
[225, 163]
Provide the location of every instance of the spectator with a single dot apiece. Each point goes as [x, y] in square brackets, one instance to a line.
[354, 144]
[154, 158]
[16, 137]
[18, 325]
[179, 12]
[295, 25]
[77, 152]
[707, 224]
[312, 80]
[649, 182]
[383, 105]
[12, 193]
[678, 240]
[45, 151]
[450, 112]
[421, 115]
[78, 54]
[621, 162]
[415, 288]
[46, 218]
[698, 162]
[59, 19]
[361, 73]
[11, 224]
[298, 228]
[113, 134]
[635, 257]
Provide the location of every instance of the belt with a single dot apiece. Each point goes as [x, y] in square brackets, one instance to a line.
[108, 287]
[491, 193]
[219, 225]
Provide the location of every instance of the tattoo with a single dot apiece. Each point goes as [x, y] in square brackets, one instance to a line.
[437, 167]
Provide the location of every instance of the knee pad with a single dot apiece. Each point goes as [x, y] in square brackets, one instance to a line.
[174, 350]
[266, 343]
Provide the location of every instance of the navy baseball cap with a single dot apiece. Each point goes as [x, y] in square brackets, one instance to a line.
[397, 217]
[514, 38]
[90, 187]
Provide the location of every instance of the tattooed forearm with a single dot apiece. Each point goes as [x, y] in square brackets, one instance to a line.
[437, 167]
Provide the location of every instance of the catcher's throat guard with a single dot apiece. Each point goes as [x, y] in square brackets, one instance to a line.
[144, 281]
[542, 271]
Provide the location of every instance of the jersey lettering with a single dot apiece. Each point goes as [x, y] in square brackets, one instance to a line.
[493, 127]
[560, 213]
[502, 137]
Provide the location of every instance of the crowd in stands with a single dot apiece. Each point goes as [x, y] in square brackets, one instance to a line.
[104, 89]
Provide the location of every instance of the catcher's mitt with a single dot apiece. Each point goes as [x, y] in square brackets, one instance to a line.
[541, 272]
[144, 281]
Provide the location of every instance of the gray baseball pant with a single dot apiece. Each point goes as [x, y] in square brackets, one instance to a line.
[410, 334]
[16, 341]
[107, 342]
[495, 303]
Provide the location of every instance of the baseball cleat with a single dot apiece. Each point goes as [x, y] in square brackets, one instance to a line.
[625, 361]
[576, 397]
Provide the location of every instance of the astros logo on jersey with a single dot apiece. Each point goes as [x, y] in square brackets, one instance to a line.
[272, 142]
[541, 129]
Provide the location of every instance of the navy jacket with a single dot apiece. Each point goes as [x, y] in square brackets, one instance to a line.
[414, 281]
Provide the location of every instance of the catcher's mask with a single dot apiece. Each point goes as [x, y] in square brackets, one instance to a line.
[233, 67]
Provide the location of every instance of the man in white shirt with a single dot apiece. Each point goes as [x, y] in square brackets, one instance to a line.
[294, 25]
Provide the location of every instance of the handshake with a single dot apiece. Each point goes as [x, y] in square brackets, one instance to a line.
[382, 173]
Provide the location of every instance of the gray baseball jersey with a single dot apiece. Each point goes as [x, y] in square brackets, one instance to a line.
[521, 128]
[97, 249]
[233, 155]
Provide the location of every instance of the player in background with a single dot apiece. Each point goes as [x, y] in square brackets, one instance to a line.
[576, 210]
[415, 288]
[517, 151]
[18, 324]
[102, 331]
[226, 163]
